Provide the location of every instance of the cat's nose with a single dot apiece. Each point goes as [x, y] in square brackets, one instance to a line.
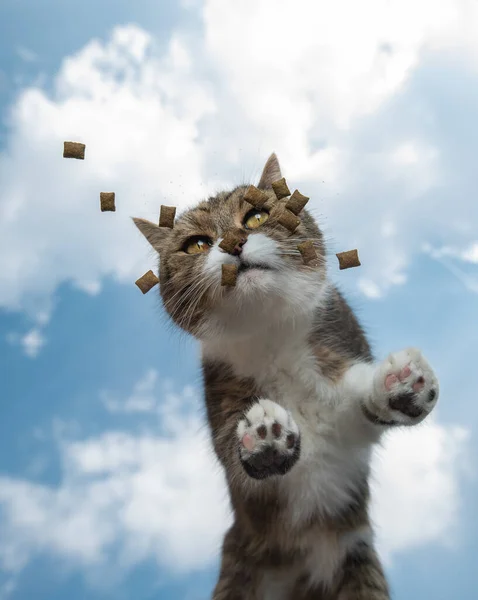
[239, 246]
[233, 242]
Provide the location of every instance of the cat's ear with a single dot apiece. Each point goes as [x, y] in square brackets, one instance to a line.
[153, 233]
[270, 173]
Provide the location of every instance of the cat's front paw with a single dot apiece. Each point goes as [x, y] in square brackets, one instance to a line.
[405, 389]
[269, 440]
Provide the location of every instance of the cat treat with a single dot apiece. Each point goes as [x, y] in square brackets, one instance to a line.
[232, 242]
[289, 220]
[107, 201]
[229, 275]
[348, 259]
[255, 197]
[74, 150]
[166, 216]
[147, 282]
[309, 255]
[297, 202]
[280, 188]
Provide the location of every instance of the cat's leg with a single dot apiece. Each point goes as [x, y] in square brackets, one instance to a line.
[269, 440]
[234, 583]
[360, 577]
[237, 579]
[363, 577]
[401, 390]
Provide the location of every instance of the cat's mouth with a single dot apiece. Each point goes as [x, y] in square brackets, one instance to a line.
[244, 267]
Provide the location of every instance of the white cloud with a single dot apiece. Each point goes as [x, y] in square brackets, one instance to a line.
[466, 257]
[467, 254]
[125, 497]
[306, 73]
[31, 342]
[346, 66]
[471, 253]
[138, 116]
[416, 497]
[369, 289]
[295, 77]
[143, 399]
[26, 54]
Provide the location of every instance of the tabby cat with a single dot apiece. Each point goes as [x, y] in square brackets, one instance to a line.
[295, 400]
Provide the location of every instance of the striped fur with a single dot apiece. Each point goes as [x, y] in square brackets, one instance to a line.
[294, 398]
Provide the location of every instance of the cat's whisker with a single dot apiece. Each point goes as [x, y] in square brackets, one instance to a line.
[195, 292]
[194, 305]
[195, 288]
[191, 289]
[175, 307]
[300, 240]
[182, 308]
[197, 277]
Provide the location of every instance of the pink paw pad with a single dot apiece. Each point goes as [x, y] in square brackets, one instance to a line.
[248, 442]
[392, 379]
[404, 373]
[418, 385]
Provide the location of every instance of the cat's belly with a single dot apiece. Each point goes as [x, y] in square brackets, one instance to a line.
[331, 472]
[326, 488]
[326, 480]
[328, 477]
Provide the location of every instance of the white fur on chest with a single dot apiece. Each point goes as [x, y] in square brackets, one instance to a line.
[323, 478]
[286, 372]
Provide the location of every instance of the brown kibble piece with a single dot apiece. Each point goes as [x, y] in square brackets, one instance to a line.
[289, 220]
[107, 200]
[231, 241]
[229, 275]
[280, 188]
[255, 197]
[166, 216]
[309, 255]
[297, 202]
[348, 259]
[147, 281]
[74, 150]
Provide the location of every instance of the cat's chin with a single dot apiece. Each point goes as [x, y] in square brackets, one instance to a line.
[254, 282]
[254, 274]
[261, 300]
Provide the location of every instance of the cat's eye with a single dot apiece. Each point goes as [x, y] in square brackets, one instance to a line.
[197, 244]
[255, 218]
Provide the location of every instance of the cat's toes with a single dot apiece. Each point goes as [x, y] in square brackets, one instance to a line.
[406, 388]
[269, 440]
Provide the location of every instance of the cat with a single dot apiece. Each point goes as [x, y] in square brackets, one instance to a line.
[294, 398]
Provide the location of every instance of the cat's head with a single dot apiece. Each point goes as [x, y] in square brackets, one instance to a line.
[273, 284]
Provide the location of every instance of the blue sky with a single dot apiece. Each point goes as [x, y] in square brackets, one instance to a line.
[107, 483]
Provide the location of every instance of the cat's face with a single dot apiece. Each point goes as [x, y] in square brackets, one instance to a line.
[273, 284]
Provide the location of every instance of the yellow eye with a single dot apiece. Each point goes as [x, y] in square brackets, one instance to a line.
[197, 244]
[255, 218]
